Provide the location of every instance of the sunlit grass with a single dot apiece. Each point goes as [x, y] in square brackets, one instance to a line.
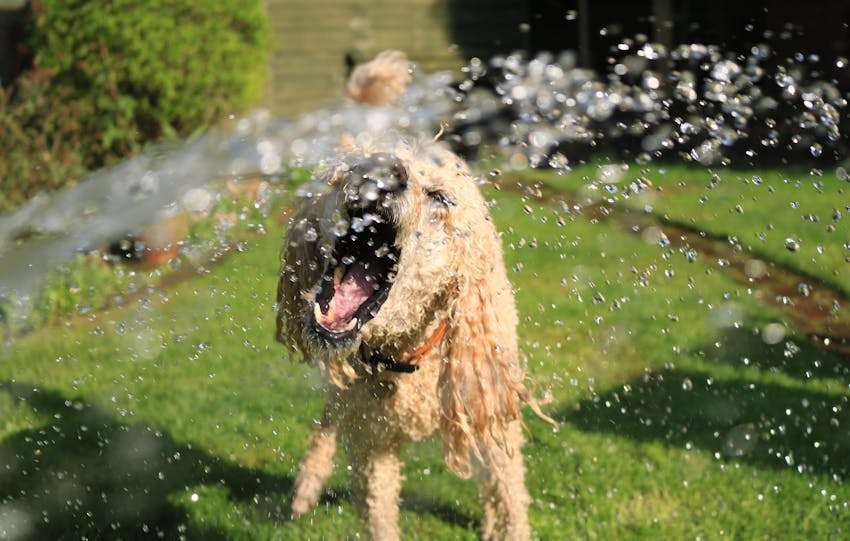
[760, 209]
[182, 415]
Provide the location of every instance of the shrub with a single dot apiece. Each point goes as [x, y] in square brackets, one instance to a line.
[41, 134]
[150, 69]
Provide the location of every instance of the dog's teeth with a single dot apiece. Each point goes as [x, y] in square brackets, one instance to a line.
[351, 324]
[338, 272]
[317, 311]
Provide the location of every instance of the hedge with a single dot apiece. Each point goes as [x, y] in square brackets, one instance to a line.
[128, 72]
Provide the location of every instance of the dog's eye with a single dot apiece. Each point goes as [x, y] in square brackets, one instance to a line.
[440, 198]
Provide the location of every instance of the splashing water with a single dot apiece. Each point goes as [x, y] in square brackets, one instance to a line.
[658, 332]
[695, 102]
[109, 204]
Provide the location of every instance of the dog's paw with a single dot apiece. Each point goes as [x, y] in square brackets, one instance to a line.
[308, 488]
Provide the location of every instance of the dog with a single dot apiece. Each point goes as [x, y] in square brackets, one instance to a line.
[393, 283]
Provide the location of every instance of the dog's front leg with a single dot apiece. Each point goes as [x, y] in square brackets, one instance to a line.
[316, 466]
[503, 493]
[376, 483]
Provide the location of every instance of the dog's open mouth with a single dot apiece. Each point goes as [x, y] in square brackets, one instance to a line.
[357, 279]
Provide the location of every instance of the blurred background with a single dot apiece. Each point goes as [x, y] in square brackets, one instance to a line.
[670, 178]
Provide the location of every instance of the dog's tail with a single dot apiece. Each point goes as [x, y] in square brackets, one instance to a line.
[380, 81]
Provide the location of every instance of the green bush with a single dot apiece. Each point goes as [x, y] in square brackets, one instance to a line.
[150, 68]
[41, 133]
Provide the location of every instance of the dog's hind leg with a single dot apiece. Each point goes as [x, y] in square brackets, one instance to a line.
[376, 483]
[316, 466]
[503, 493]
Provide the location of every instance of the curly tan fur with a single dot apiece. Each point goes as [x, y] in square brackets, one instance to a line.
[380, 81]
[469, 387]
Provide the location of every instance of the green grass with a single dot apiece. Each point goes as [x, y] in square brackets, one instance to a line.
[759, 208]
[181, 416]
[88, 283]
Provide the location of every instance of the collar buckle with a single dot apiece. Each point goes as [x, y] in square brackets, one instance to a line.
[374, 360]
[377, 362]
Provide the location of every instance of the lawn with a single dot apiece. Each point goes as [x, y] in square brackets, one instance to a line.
[179, 416]
[760, 210]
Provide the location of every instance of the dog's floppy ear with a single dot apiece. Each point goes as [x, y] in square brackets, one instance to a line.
[481, 382]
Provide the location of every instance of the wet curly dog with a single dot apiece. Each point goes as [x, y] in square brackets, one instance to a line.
[393, 283]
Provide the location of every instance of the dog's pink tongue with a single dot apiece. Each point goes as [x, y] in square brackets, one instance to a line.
[349, 295]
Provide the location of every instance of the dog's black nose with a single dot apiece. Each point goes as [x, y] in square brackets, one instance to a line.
[373, 178]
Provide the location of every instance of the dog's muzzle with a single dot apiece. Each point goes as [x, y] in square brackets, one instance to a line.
[359, 274]
[372, 182]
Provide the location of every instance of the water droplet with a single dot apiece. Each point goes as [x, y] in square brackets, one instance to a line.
[773, 333]
[792, 245]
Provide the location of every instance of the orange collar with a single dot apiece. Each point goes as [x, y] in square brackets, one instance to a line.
[417, 354]
[410, 362]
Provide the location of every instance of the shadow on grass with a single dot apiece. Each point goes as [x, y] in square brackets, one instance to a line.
[450, 514]
[85, 474]
[801, 361]
[758, 423]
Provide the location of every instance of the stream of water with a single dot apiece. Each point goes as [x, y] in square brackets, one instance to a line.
[696, 103]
